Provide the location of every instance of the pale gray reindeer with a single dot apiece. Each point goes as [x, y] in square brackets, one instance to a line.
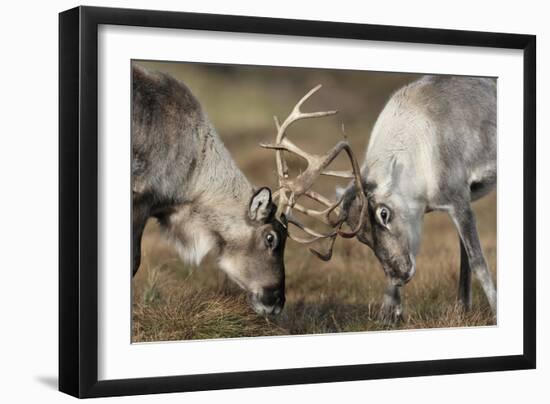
[183, 175]
[433, 148]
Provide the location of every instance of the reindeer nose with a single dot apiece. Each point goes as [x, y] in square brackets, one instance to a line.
[273, 297]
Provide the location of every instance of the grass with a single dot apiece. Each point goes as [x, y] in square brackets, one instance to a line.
[172, 301]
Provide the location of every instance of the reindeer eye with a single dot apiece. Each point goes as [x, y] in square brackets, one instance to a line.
[383, 214]
[270, 240]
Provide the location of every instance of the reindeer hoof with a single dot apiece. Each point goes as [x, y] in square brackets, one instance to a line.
[390, 315]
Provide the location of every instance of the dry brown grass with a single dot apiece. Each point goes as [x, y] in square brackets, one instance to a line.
[172, 301]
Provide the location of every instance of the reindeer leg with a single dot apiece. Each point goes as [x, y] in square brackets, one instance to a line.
[140, 214]
[391, 311]
[465, 222]
[465, 280]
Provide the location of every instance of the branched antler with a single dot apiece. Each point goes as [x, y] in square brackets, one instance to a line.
[290, 190]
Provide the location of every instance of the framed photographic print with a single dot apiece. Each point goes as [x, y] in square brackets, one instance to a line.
[251, 201]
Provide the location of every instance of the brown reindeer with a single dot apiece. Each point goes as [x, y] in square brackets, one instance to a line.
[183, 176]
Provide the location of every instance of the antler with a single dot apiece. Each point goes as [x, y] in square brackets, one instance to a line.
[290, 190]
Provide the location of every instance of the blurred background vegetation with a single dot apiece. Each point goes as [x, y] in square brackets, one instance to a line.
[172, 300]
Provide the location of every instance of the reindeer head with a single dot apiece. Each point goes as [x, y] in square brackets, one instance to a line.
[392, 225]
[254, 256]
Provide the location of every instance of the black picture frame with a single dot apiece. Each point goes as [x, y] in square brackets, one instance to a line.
[78, 201]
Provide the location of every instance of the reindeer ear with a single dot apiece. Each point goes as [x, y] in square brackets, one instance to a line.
[261, 205]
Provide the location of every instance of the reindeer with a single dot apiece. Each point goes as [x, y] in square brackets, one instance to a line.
[433, 148]
[183, 176]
